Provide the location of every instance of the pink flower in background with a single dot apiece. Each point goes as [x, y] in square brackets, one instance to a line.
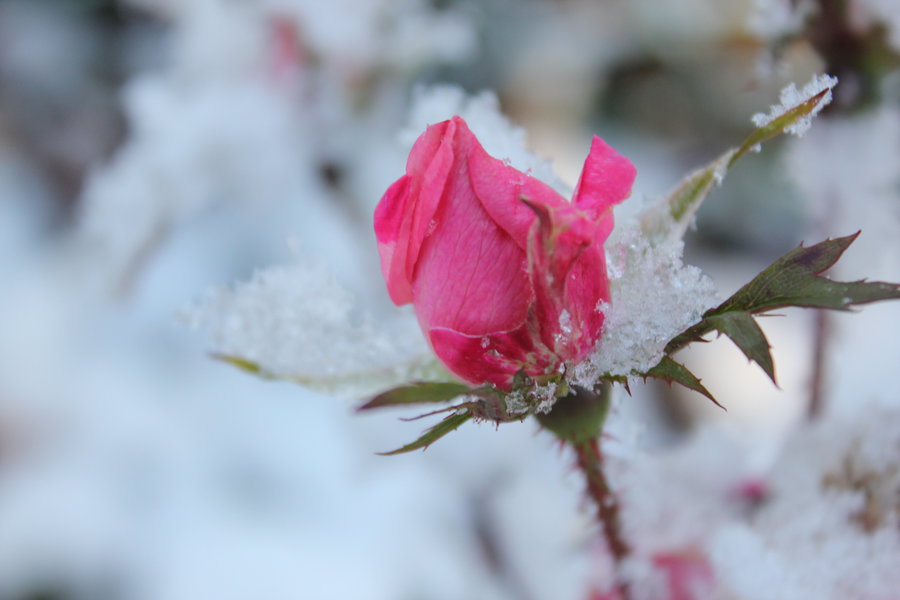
[503, 272]
[688, 574]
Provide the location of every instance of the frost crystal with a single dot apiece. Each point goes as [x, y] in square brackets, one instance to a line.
[545, 397]
[791, 97]
[654, 297]
[298, 323]
[539, 399]
[516, 403]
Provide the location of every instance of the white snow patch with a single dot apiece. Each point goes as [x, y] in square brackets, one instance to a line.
[299, 323]
[829, 528]
[655, 296]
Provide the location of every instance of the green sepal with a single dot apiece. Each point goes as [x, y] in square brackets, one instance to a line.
[448, 424]
[670, 371]
[419, 392]
[578, 417]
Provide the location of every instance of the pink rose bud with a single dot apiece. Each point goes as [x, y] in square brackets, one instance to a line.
[503, 272]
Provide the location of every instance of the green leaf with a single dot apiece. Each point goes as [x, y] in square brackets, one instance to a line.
[746, 334]
[670, 371]
[420, 392]
[793, 280]
[671, 217]
[686, 198]
[435, 433]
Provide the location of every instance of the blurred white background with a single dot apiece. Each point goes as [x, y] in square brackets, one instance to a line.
[153, 149]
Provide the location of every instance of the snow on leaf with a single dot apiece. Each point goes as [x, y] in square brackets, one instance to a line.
[815, 95]
[299, 324]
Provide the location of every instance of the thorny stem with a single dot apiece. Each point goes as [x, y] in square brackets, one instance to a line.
[590, 462]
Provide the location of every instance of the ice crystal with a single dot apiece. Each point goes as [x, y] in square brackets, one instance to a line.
[516, 403]
[299, 323]
[791, 97]
[654, 297]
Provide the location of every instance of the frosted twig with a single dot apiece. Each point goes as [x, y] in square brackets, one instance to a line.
[791, 97]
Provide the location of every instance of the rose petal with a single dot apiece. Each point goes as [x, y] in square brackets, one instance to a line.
[605, 181]
[500, 188]
[429, 166]
[405, 214]
[568, 272]
[587, 286]
[471, 277]
[390, 217]
[493, 358]
[504, 273]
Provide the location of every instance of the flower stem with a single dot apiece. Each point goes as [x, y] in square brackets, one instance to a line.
[590, 462]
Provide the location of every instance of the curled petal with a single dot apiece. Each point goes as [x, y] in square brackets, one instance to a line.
[405, 214]
[605, 181]
[500, 187]
[392, 243]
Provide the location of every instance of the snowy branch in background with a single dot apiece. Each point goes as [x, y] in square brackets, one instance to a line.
[299, 324]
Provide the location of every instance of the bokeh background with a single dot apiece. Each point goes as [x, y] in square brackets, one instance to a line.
[152, 149]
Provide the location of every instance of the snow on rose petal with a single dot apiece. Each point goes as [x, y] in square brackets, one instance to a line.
[503, 272]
